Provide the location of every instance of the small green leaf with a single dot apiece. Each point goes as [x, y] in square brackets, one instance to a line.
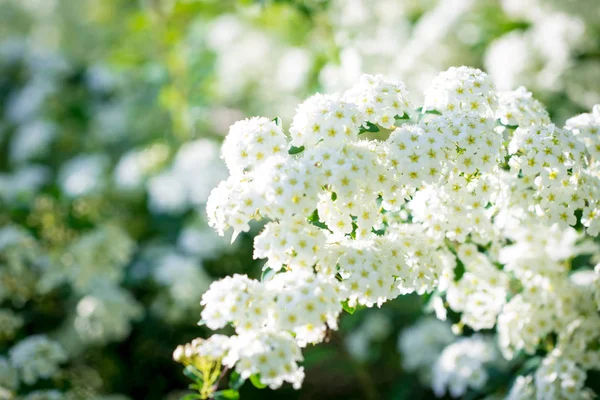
[192, 372]
[277, 121]
[267, 274]
[295, 150]
[192, 396]
[227, 394]
[236, 381]
[530, 365]
[255, 379]
[426, 297]
[368, 128]
[435, 112]
[333, 196]
[513, 127]
[404, 116]
[347, 308]
[459, 271]
[314, 220]
[354, 228]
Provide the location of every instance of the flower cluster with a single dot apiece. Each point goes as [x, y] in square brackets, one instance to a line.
[587, 126]
[460, 366]
[474, 197]
[37, 357]
[422, 344]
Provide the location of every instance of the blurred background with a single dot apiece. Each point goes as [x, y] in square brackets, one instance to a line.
[111, 118]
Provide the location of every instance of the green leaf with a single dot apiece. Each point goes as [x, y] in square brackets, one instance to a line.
[192, 372]
[513, 127]
[255, 379]
[333, 196]
[354, 228]
[192, 396]
[530, 365]
[426, 297]
[368, 128]
[227, 394]
[459, 271]
[295, 150]
[404, 116]
[314, 220]
[347, 308]
[267, 274]
[435, 112]
[277, 121]
[236, 381]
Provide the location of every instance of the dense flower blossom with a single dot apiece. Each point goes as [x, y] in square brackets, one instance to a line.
[560, 378]
[475, 195]
[587, 127]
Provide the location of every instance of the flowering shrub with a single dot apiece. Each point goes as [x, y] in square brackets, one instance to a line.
[473, 198]
[112, 115]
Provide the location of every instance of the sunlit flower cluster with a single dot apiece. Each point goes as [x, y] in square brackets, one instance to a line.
[474, 195]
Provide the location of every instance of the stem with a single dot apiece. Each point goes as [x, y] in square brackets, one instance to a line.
[216, 385]
[364, 378]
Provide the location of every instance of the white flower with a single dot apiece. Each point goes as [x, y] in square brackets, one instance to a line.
[480, 293]
[37, 357]
[178, 187]
[200, 240]
[274, 356]
[237, 299]
[519, 108]
[325, 118]
[422, 343]
[167, 193]
[184, 281]
[462, 88]
[305, 304]
[105, 314]
[462, 366]
[83, 174]
[522, 389]
[250, 142]
[135, 166]
[95, 257]
[454, 202]
[192, 157]
[560, 378]
[587, 128]
[380, 100]
[32, 140]
[23, 183]
[232, 204]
